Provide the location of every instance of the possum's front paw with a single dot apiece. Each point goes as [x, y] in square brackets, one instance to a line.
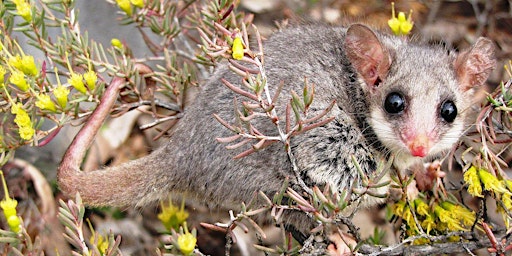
[426, 175]
[341, 243]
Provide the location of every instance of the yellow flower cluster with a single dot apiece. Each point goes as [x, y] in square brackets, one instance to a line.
[77, 81]
[479, 180]
[44, 101]
[400, 25]
[454, 217]
[8, 206]
[24, 9]
[20, 66]
[440, 217]
[21, 70]
[172, 217]
[126, 5]
[20, 76]
[24, 63]
[473, 181]
[22, 119]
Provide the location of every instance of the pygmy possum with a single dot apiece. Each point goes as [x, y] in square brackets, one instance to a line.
[392, 97]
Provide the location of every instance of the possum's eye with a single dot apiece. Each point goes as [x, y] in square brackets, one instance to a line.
[448, 111]
[394, 103]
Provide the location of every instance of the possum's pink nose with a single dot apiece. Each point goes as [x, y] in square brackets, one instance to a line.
[419, 146]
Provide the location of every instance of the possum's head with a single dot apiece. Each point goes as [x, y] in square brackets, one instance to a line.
[419, 96]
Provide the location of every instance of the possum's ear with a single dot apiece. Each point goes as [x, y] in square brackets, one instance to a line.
[367, 55]
[474, 65]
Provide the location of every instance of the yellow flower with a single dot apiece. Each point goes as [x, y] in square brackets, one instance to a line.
[138, 3]
[24, 10]
[23, 63]
[187, 243]
[408, 217]
[491, 183]
[172, 216]
[17, 78]
[14, 223]
[398, 208]
[23, 121]
[507, 201]
[101, 243]
[428, 223]
[116, 43]
[471, 178]
[421, 207]
[77, 81]
[468, 217]
[459, 212]
[28, 66]
[90, 78]
[508, 183]
[16, 108]
[45, 102]
[61, 94]
[238, 48]
[26, 132]
[447, 218]
[125, 6]
[400, 25]
[2, 74]
[402, 210]
[442, 214]
[8, 206]
[15, 62]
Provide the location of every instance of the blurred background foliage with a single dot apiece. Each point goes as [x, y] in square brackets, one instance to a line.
[57, 58]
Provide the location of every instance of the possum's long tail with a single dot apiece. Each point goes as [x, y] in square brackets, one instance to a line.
[101, 187]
